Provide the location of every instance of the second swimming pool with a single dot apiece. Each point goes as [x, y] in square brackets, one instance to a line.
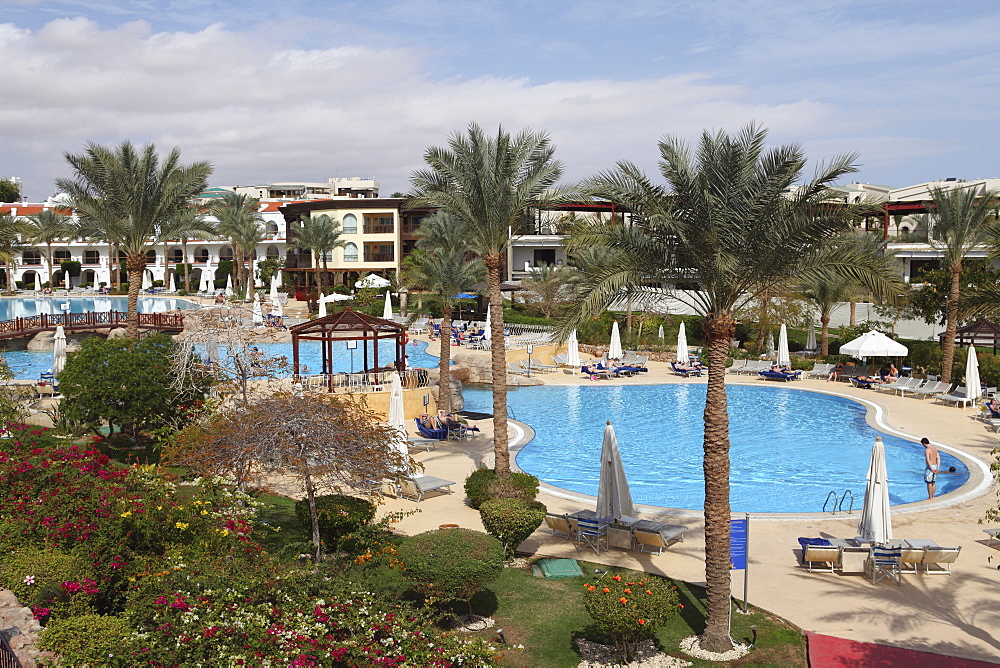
[789, 448]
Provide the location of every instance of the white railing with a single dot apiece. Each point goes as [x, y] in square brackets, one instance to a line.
[376, 381]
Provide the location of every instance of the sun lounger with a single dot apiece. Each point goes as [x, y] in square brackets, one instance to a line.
[427, 444]
[955, 398]
[938, 560]
[429, 433]
[683, 371]
[820, 554]
[929, 386]
[940, 388]
[994, 534]
[819, 370]
[778, 375]
[514, 368]
[559, 526]
[899, 383]
[737, 365]
[864, 384]
[417, 486]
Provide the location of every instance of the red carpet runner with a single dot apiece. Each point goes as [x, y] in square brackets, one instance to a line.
[830, 652]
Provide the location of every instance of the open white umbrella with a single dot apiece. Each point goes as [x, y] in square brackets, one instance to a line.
[615, 347]
[387, 309]
[229, 285]
[682, 345]
[876, 521]
[811, 338]
[171, 286]
[58, 351]
[573, 351]
[973, 386]
[874, 344]
[613, 496]
[373, 281]
[784, 357]
[258, 313]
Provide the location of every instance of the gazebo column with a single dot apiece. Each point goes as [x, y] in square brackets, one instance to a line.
[295, 354]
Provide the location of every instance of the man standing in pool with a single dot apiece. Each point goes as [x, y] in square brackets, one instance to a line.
[932, 460]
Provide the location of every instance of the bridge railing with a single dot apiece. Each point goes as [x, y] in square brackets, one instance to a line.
[89, 320]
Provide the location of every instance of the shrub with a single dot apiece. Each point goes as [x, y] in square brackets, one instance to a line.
[451, 564]
[483, 485]
[511, 521]
[629, 607]
[50, 582]
[88, 640]
[339, 516]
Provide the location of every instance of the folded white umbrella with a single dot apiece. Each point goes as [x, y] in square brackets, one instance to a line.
[274, 287]
[387, 309]
[276, 309]
[206, 283]
[573, 350]
[172, 287]
[784, 357]
[147, 281]
[615, 347]
[229, 285]
[613, 496]
[811, 338]
[258, 313]
[876, 521]
[322, 309]
[973, 385]
[682, 345]
[58, 351]
[661, 334]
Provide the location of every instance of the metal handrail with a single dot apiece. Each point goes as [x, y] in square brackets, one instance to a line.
[835, 499]
[7, 657]
[843, 498]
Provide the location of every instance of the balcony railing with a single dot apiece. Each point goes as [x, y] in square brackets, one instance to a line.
[378, 229]
[378, 257]
[908, 238]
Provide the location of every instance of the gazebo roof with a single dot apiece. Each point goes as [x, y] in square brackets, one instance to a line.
[347, 324]
[980, 332]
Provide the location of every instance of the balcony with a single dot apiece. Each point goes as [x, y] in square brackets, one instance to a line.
[374, 228]
[376, 256]
[908, 238]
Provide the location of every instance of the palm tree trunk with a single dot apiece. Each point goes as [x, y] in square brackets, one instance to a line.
[112, 261]
[628, 314]
[948, 351]
[135, 264]
[444, 362]
[49, 244]
[498, 354]
[187, 267]
[854, 313]
[10, 277]
[719, 331]
[824, 338]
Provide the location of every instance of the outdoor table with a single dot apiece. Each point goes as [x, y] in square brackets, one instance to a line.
[587, 514]
[920, 542]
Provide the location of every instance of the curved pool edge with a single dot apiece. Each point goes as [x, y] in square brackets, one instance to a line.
[980, 476]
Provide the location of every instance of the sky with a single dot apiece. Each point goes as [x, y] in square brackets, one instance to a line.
[301, 90]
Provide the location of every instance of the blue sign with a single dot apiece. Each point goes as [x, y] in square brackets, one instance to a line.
[738, 544]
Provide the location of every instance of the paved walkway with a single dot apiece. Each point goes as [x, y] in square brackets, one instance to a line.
[955, 615]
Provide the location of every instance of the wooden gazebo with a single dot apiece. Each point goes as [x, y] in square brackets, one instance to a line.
[979, 333]
[344, 326]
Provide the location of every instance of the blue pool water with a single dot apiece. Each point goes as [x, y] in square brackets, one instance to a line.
[22, 307]
[789, 448]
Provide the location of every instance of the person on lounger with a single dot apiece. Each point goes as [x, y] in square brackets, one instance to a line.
[781, 369]
[892, 375]
[835, 372]
[869, 380]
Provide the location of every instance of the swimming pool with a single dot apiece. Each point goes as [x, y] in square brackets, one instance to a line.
[30, 365]
[23, 307]
[789, 448]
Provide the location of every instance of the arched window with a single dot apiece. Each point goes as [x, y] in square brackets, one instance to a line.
[226, 253]
[350, 252]
[91, 257]
[350, 224]
[151, 256]
[201, 255]
[272, 252]
[31, 257]
[272, 228]
[62, 254]
[175, 256]
[121, 256]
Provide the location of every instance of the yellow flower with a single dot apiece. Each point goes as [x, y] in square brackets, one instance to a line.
[204, 512]
[181, 525]
[126, 513]
[159, 507]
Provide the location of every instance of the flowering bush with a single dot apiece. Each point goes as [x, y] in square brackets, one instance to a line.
[94, 640]
[339, 516]
[52, 583]
[629, 606]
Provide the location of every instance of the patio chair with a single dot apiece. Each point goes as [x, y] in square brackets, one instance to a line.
[417, 486]
[515, 368]
[938, 560]
[737, 365]
[819, 370]
[592, 533]
[899, 383]
[649, 541]
[955, 398]
[929, 386]
[910, 559]
[994, 534]
[433, 434]
[559, 526]
[779, 375]
[820, 554]
[883, 562]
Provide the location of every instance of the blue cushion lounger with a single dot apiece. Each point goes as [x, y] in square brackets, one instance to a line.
[436, 434]
[864, 384]
[684, 372]
[779, 375]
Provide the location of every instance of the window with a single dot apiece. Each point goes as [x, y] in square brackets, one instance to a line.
[272, 252]
[272, 228]
[351, 225]
[31, 257]
[351, 251]
[62, 254]
[91, 257]
[175, 256]
[151, 256]
[226, 253]
[545, 256]
[201, 255]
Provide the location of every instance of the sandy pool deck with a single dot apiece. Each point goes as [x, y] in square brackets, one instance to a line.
[956, 615]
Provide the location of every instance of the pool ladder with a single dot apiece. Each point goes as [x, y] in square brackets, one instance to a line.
[838, 502]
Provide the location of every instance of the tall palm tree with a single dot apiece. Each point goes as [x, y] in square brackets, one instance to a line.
[127, 195]
[959, 219]
[240, 220]
[440, 264]
[488, 183]
[730, 220]
[190, 223]
[48, 226]
[319, 234]
[13, 232]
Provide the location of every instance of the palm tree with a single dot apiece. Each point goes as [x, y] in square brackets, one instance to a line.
[240, 220]
[440, 264]
[190, 223]
[13, 232]
[48, 226]
[128, 196]
[320, 234]
[488, 183]
[959, 223]
[731, 220]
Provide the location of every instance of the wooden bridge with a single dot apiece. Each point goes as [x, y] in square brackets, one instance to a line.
[48, 322]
